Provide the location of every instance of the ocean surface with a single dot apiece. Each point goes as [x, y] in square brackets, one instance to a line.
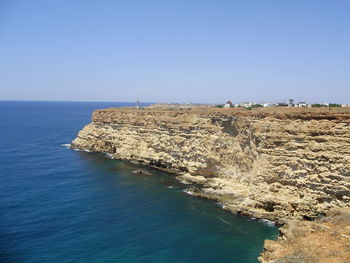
[60, 205]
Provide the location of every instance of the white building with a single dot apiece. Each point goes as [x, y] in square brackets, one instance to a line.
[246, 104]
[228, 104]
[303, 105]
[266, 104]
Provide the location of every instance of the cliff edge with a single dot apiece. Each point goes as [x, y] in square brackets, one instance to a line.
[291, 166]
[278, 164]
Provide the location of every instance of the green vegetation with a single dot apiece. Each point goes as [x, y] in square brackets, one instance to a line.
[322, 105]
[219, 106]
[318, 105]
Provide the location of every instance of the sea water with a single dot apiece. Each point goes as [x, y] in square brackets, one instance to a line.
[60, 205]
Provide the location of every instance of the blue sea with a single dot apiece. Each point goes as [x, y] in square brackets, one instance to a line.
[58, 205]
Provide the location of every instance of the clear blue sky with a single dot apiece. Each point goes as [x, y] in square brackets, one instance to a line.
[175, 51]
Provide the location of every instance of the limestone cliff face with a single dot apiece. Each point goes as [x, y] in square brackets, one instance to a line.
[289, 165]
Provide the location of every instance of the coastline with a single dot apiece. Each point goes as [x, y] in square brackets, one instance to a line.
[260, 164]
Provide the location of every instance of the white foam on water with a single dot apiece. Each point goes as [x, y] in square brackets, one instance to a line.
[220, 204]
[82, 150]
[109, 155]
[170, 186]
[267, 222]
[184, 182]
[224, 221]
[188, 191]
[66, 145]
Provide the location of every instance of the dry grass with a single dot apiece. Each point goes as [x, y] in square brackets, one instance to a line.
[276, 112]
[316, 242]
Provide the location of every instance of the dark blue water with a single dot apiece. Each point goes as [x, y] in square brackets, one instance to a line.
[59, 205]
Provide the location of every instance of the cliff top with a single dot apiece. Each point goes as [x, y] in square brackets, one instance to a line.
[276, 112]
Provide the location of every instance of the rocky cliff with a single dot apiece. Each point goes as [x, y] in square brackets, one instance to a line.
[325, 240]
[273, 164]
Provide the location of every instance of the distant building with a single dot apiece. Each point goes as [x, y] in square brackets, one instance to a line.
[228, 104]
[345, 105]
[246, 104]
[299, 105]
[290, 103]
[303, 105]
[266, 104]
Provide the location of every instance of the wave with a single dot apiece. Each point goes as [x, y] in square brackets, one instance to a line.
[66, 145]
[224, 221]
[82, 150]
[109, 155]
[188, 191]
[267, 222]
[221, 205]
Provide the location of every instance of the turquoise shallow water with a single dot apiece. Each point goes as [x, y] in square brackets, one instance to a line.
[59, 205]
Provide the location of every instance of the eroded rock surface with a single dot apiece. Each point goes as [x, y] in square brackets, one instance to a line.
[271, 164]
[326, 240]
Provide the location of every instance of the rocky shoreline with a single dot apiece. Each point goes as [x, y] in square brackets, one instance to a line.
[281, 165]
[325, 240]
